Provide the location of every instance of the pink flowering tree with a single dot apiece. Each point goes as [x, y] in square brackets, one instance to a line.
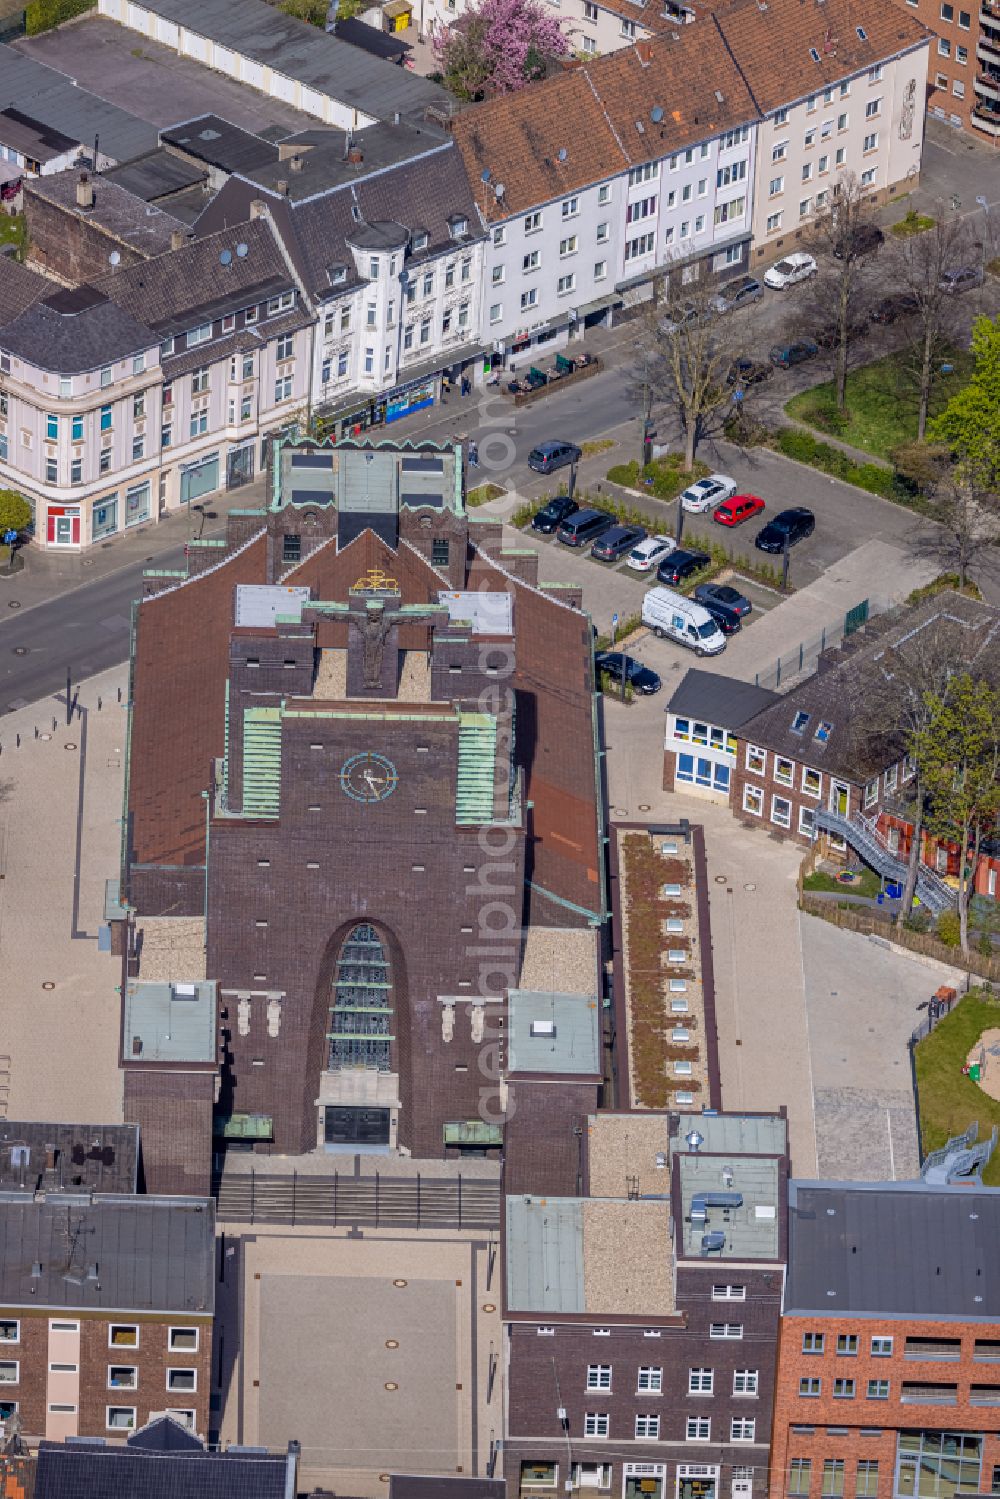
[497, 47]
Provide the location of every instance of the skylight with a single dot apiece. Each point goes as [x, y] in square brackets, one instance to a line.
[824, 731]
[799, 722]
[862, 33]
[814, 54]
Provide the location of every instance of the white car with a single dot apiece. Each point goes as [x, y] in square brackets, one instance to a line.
[650, 553]
[796, 267]
[705, 494]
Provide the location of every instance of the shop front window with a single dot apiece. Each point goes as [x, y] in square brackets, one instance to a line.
[105, 517]
[937, 1464]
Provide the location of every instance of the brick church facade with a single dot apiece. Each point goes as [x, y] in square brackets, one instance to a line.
[362, 747]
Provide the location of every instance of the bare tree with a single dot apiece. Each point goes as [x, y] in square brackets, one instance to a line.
[844, 239]
[684, 357]
[916, 266]
[962, 510]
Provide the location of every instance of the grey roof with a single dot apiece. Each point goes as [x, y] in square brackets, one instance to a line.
[169, 1022]
[554, 1033]
[753, 1228]
[175, 291]
[850, 677]
[220, 143]
[370, 39]
[118, 212]
[31, 136]
[544, 1254]
[68, 1157]
[160, 1461]
[736, 1134]
[128, 1254]
[69, 339]
[408, 1486]
[720, 700]
[156, 175]
[299, 51]
[48, 95]
[899, 1249]
[20, 288]
[489, 611]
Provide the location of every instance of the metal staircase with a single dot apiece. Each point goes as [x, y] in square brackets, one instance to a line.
[960, 1160]
[864, 837]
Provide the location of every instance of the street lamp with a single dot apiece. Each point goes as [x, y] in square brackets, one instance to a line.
[984, 205]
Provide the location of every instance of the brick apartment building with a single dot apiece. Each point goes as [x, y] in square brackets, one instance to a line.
[364, 669]
[887, 1382]
[806, 761]
[963, 65]
[642, 1315]
[106, 1306]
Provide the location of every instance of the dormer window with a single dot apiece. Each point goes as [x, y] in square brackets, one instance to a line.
[824, 731]
[281, 303]
[199, 335]
[458, 226]
[337, 275]
[799, 722]
[421, 239]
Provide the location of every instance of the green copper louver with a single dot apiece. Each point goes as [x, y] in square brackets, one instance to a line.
[477, 748]
[261, 762]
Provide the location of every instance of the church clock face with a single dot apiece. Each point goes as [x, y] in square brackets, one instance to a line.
[368, 777]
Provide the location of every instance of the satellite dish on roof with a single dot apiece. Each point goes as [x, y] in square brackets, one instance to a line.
[562, 153]
[242, 250]
[499, 191]
[226, 257]
[656, 114]
[114, 258]
[486, 175]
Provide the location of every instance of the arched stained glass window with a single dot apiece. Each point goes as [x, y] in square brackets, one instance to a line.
[361, 1011]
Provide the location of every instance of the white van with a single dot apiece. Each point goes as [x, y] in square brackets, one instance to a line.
[673, 617]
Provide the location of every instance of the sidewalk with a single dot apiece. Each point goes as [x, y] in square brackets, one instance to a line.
[51, 574]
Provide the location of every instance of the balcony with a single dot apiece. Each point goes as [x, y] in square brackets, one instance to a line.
[917, 1393]
[987, 120]
[940, 1350]
[988, 85]
[988, 48]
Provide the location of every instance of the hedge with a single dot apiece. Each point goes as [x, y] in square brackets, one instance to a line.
[43, 15]
[666, 475]
[871, 476]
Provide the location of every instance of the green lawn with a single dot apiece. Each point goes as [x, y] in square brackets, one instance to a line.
[950, 1101]
[820, 880]
[881, 403]
[913, 222]
[12, 231]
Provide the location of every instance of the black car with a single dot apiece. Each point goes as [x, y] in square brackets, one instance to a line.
[549, 456]
[640, 677]
[901, 304]
[721, 593]
[783, 356]
[552, 515]
[864, 239]
[727, 619]
[791, 525]
[748, 372]
[614, 544]
[680, 565]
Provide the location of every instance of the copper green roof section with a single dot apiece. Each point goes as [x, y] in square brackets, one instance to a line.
[477, 751]
[261, 762]
[472, 1132]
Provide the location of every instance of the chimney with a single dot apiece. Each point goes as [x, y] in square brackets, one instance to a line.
[644, 52]
[258, 209]
[84, 192]
[177, 239]
[355, 155]
[286, 149]
[281, 187]
[296, 163]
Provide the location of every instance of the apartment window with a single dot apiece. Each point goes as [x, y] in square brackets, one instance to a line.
[781, 117]
[104, 462]
[10, 1331]
[847, 1342]
[199, 423]
[598, 1376]
[726, 1330]
[10, 1371]
[842, 122]
[496, 312]
[285, 346]
[500, 234]
[779, 151]
[867, 1480]
[106, 376]
[138, 448]
[699, 223]
[531, 261]
[123, 1377]
[744, 1381]
[872, 108]
[199, 335]
[833, 1476]
[805, 205]
[182, 1379]
[570, 208]
[812, 1342]
[742, 1428]
[199, 381]
[729, 1293]
[753, 801]
[947, 12]
[52, 428]
[286, 299]
[756, 760]
[647, 1426]
[810, 1388]
[465, 274]
[120, 1418]
[843, 1389]
[784, 771]
[565, 285]
[807, 172]
[773, 222]
[944, 47]
[781, 811]
[648, 172]
[824, 166]
[841, 156]
[698, 1429]
[875, 73]
[799, 1475]
[628, 30]
[600, 270]
[532, 222]
[499, 273]
[251, 314]
[596, 1424]
[185, 1339]
[166, 438]
[881, 1347]
[958, 89]
[51, 471]
[650, 1380]
[701, 1381]
[878, 1389]
[568, 246]
[810, 137]
[529, 299]
[964, 19]
[643, 244]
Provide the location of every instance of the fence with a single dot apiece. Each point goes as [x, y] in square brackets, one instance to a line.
[919, 942]
[808, 652]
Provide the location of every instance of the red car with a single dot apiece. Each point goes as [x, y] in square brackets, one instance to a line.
[740, 508]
